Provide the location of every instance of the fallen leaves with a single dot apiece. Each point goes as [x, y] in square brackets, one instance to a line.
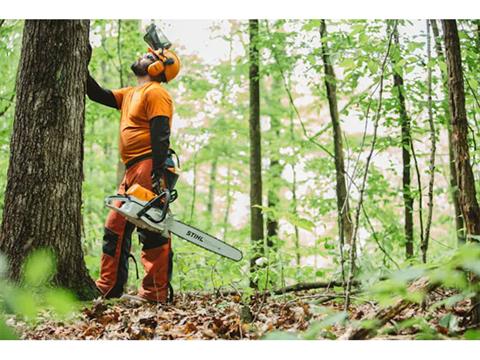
[191, 316]
[210, 316]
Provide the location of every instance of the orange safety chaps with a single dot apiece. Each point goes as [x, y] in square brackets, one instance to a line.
[156, 254]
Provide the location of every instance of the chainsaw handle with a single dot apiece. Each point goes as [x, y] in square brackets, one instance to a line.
[153, 202]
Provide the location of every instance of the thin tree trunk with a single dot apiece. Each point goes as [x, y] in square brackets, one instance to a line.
[43, 197]
[352, 256]
[119, 51]
[194, 187]
[406, 146]
[9, 104]
[294, 196]
[275, 170]
[211, 192]
[424, 245]
[343, 206]
[459, 223]
[256, 217]
[294, 205]
[465, 178]
[229, 202]
[272, 223]
[120, 164]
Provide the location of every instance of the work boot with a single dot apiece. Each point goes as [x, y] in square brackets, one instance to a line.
[135, 299]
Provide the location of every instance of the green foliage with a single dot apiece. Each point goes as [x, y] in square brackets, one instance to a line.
[34, 293]
[39, 267]
[318, 329]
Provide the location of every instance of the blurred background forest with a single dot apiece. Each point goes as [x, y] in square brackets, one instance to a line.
[385, 71]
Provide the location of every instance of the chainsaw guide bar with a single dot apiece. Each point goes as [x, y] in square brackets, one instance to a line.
[162, 221]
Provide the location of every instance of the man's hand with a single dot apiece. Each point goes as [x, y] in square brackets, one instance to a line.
[158, 184]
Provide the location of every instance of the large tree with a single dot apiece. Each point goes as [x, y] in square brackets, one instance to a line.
[256, 217]
[465, 179]
[43, 197]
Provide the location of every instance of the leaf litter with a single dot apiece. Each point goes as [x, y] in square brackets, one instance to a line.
[212, 316]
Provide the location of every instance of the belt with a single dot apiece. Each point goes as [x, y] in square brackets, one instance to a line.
[137, 160]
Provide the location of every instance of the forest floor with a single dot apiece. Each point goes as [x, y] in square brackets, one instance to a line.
[214, 316]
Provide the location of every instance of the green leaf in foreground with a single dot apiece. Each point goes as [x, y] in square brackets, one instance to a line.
[62, 301]
[39, 267]
[280, 335]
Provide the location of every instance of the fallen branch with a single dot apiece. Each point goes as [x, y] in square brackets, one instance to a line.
[308, 286]
[385, 315]
[287, 289]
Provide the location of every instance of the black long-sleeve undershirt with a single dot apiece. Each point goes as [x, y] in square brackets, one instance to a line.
[159, 125]
[160, 139]
[100, 95]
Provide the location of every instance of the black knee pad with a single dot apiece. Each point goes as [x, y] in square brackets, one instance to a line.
[150, 239]
[109, 242]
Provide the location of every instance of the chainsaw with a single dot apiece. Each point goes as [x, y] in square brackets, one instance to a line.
[151, 211]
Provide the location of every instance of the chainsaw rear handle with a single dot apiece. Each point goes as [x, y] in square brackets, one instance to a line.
[156, 201]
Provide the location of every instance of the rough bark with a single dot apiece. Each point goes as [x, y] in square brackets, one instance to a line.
[256, 217]
[465, 179]
[43, 196]
[343, 206]
[459, 224]
[406, 157]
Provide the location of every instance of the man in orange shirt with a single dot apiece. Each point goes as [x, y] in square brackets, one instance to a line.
[145, 122]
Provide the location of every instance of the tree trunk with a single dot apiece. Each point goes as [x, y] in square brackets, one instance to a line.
[275, 170]
[465, 180]
[451, 159]
[211, 192]
[256, 217]
[194, 187]
[406, 146]
[228, 201]
[43, 196]
[120, 164]
[294, 197]
[424, 244]
[343, 206]
[272, 223]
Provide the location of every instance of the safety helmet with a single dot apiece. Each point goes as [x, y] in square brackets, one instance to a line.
[166, 66]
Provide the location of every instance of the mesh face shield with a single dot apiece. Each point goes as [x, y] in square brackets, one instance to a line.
[156, 39]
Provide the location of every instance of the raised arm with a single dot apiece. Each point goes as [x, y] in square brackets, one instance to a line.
[100, 95]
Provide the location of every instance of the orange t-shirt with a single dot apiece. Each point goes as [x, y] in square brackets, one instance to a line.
[138, 105]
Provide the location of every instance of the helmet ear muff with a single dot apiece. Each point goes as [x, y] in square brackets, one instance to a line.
[156, 68]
